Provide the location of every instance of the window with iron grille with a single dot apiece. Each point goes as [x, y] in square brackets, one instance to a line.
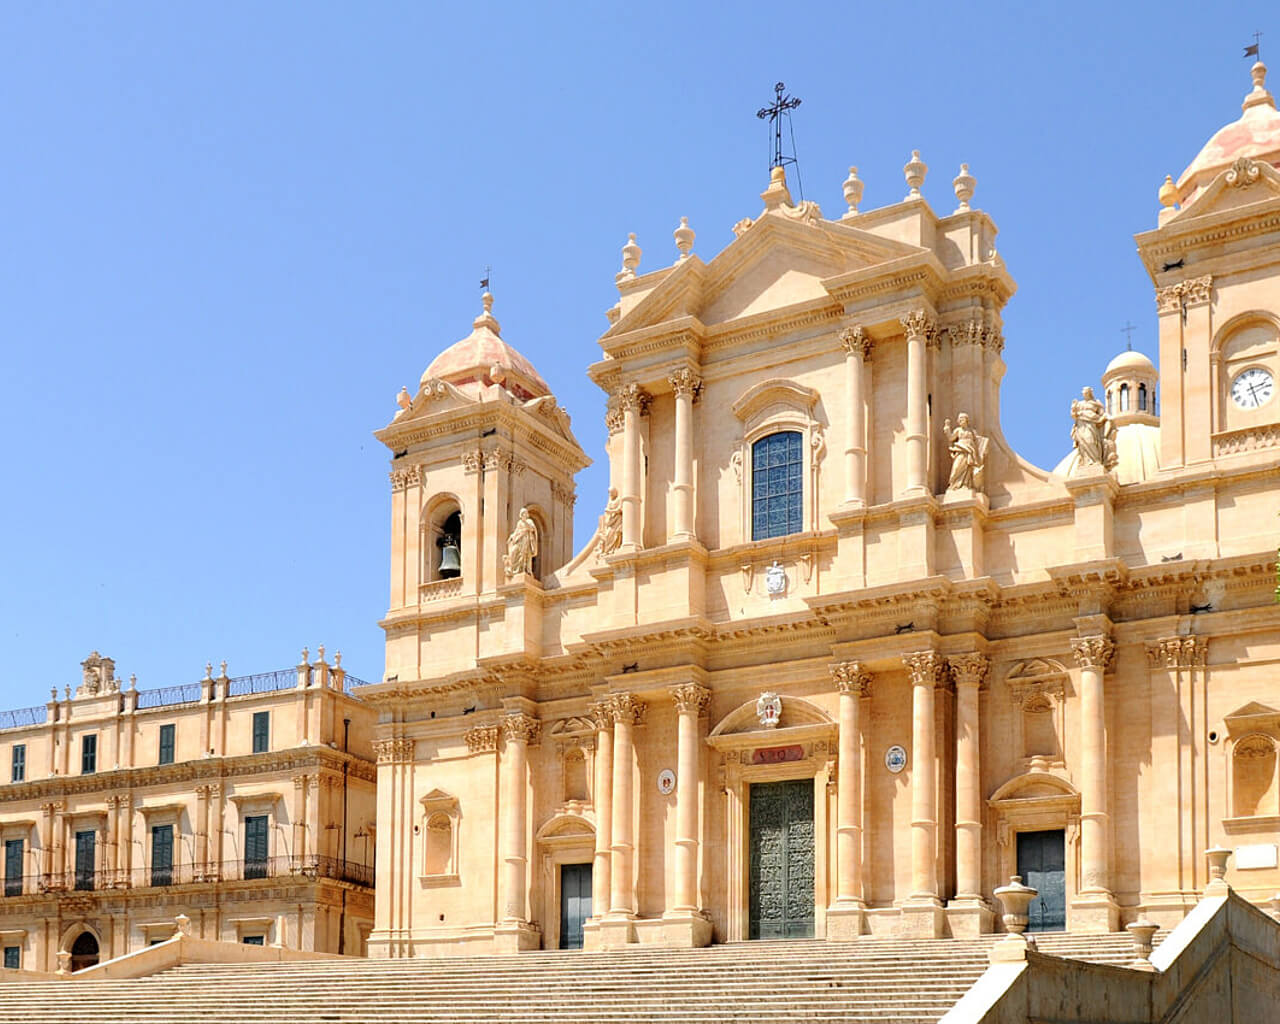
[777, 485]
[261, 732]
[19, 762]
[167, 743]
[88, 755]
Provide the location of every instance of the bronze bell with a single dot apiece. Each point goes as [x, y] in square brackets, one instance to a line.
[450, 563]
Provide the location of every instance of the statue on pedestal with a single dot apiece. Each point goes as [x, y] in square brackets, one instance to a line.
[522, 546]
[968, 451]
[609, 532]
[1092, 432]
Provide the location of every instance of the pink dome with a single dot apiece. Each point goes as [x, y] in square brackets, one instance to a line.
[1255, 135]
[475, 357]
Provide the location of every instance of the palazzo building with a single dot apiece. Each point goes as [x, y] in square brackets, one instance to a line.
[245, 803]
[838, 661]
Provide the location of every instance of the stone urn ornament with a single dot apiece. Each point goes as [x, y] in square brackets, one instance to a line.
[1015, 898]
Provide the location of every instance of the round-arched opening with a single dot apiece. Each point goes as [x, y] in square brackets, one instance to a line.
[439, 853]
[1124, 397]
[450, 545]
[84, 952]
[441, 539]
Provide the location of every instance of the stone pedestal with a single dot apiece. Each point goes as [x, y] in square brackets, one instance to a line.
[516, 937]
[967, 918]
[615, 931]
[922, 919]
[845, 923]
[685, 930]
[1094, 912]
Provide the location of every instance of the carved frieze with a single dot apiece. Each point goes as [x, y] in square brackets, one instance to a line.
[851, 677]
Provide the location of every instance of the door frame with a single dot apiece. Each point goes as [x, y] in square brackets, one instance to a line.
[750, 788]
[559, 870]
[565, 839]
[1037, 802]
[817, 762]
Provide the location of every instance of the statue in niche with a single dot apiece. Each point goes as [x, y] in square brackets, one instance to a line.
[609, 531]
[968, 451]
[1092, 432]
[522, 546]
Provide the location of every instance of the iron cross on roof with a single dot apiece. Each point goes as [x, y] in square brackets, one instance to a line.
[782, 104]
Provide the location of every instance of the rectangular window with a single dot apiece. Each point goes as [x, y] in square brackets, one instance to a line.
[13, 867]
[161, 854]
[167, 743]
[261, 732]
[13, 957]
[88, 755]
[255, 846]
[255, 940]
[19, 762]
[85, 847]
[777, 486]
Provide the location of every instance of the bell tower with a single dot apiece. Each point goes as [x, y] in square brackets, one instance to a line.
[481, 440]
[1213, 261]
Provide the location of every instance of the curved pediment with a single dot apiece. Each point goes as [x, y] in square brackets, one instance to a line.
[1035, 785]
[566, 826]
[775, 391]
[796, 711]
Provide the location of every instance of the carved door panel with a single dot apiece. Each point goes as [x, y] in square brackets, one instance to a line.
[575, 903]
[1042, 865]
[781, 860]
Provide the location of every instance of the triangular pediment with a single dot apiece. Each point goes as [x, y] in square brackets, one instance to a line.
[781, 260]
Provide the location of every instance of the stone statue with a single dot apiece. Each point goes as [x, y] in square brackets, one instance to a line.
[1092, 432]
[968, 451]
[609, 531]
[522, 546]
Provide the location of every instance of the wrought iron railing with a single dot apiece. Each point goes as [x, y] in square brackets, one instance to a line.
[167, 696]
[23, 717]
[301, 868]
[263, 682]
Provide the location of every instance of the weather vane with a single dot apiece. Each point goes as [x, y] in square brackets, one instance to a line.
[781, 106]
[484, 281]
[1255, 49]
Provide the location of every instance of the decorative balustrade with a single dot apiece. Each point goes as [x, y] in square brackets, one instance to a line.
[439, 590]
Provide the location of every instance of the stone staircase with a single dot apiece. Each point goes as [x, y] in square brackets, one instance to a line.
[895, 981]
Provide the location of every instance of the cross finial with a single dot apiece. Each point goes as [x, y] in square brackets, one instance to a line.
[773, 113]
[1127, 330]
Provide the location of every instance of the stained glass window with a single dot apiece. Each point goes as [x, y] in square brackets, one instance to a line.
[777, 485]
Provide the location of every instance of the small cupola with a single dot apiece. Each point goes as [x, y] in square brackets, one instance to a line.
[1130, 385]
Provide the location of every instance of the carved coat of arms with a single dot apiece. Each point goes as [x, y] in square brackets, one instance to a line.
[775, 579]
[769, 709]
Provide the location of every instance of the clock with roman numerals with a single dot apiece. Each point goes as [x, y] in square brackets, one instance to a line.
[1252, 388]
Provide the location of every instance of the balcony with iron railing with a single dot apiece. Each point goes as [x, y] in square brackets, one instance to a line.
[305, 868]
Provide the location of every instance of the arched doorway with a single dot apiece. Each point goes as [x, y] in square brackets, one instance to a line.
[84, 952]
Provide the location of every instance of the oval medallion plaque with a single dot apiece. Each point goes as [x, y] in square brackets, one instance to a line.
[895, 758]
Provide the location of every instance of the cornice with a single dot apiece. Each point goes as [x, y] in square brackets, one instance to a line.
[523, 425]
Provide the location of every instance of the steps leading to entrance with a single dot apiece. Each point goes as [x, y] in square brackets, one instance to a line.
[893, 981]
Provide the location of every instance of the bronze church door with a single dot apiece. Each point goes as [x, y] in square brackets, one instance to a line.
[781, 861]
[1042, 865]
[575, 903]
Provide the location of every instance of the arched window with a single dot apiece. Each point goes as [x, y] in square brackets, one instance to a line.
[777, 485]
[84, 952]
[1254, 776]
[441, 540]
[439, 858]
[1142, 398]
[1111, 405]
[1124, 397]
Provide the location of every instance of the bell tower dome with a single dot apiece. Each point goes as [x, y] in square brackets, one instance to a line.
[480, 450]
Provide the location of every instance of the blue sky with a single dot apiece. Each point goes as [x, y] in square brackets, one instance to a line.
[230, 232]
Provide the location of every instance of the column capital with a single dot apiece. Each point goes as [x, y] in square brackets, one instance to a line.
[632, 396]
[1177, 652]
[601, 715]
[613, 421]
[1097, 651]
[690, 697]
[851, 677]
[394, 750]
[919, 326]
[855, 342]
[482, 739]
[626, 708]
[685, 383]
[926, 667]
[520, 728]
[970, 669]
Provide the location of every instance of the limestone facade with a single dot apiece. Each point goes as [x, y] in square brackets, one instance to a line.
[224, 800]
[813, 570]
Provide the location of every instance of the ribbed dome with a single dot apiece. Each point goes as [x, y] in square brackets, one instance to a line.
[475, 358]
[1255, 135]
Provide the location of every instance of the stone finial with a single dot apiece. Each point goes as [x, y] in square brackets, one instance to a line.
[1258, 95]
[222, 674]
[64, 962]
[133, 681]
[1217, 857]
[777, 194]
[184, 924]
[208, 670]
[53, 693]
[630, 259]
[964, 184]
[67, 692]
[853, 191]
[402, 398]
[486, 318]
[684, 238]
[1142, 930]
[337, 659]
[1168, 194]
[914, 170]
[320, 654]
[306, 657]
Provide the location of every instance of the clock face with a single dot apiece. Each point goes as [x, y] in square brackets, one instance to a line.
[1252, 388]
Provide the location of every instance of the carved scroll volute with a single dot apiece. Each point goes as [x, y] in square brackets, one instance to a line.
[851, 677]
[1096, 652]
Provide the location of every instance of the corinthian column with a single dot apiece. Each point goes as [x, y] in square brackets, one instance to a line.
[603, 796]
[918, 327]
[1094, 655]
[686, 384]
[631, 399]
[626, 711]
[844, 919]
[922, 914]
[518, 731]
[970, 674]
[691, 701]
[857, 350]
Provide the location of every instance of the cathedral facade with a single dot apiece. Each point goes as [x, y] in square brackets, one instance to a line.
[837, 661]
